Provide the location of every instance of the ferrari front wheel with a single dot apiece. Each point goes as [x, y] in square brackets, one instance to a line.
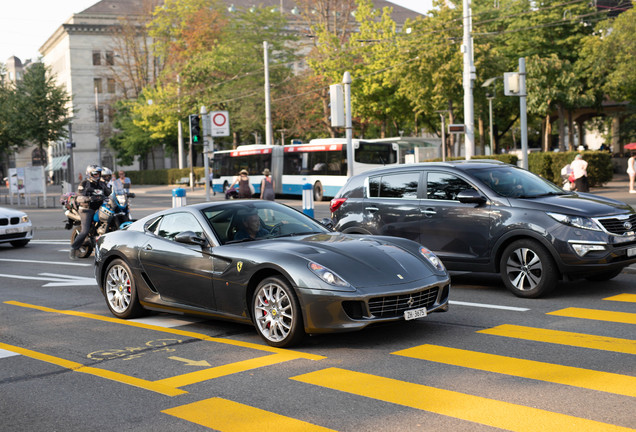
[120, 291]
[276, 313]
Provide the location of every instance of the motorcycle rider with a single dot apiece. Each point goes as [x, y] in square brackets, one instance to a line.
[90, 194]
[107, 177]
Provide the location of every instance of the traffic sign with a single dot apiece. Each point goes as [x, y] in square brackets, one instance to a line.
[220, 123]
[456, 128]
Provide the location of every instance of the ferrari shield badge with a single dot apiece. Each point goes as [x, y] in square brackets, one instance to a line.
[239, 266]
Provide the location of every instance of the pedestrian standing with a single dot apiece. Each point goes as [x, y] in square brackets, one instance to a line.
[631, 171]
[579, 169]
[243, 181]
[267, 186]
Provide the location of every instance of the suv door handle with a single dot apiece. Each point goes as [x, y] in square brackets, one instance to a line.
[371, 209]
[428, 211]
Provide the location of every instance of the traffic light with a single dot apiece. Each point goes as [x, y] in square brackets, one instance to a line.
[195, 129]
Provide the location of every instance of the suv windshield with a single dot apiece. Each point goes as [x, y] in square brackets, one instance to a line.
[512, 182]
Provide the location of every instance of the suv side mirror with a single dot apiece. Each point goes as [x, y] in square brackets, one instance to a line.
[470, 196]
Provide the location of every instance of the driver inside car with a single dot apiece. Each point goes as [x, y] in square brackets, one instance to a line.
[250, 226]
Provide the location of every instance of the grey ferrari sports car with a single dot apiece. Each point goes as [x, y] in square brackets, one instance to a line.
[264, 263]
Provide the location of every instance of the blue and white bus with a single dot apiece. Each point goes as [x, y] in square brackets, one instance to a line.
[321, 163]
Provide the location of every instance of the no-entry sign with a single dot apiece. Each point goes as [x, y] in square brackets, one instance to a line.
[220, 123]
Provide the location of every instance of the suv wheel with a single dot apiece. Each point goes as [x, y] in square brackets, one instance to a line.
[527, 269]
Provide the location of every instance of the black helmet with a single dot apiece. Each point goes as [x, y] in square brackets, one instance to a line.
[93, 172]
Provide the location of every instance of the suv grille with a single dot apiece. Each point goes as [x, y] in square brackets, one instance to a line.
[393, 306]
[619, 225]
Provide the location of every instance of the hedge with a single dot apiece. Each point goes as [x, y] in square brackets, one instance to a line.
[163, 177]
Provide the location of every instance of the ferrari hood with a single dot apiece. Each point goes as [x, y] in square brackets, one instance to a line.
[360, 260]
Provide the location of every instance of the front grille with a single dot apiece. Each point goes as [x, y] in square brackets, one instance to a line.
[7, 221]
[393, 306]
[619, 225]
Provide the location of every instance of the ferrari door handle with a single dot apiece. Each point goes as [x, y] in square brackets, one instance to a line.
[429, 212]
[371, 209]
[148, 247]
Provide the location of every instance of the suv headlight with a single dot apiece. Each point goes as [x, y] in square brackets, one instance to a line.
[575, 221]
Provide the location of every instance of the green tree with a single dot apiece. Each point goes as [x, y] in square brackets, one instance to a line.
[43, 106]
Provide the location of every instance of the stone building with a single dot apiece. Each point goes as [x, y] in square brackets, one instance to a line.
[83, 55]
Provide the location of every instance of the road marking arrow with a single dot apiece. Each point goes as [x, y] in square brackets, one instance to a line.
[56, 280]
[191, 362]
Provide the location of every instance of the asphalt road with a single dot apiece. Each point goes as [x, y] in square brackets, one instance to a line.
[492, 362]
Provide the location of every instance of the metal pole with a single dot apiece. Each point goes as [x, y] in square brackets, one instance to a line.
[268, 113]
[70, 159]
[180, 143]
[443, 137]
[469, 114]
[206, 164]
[346, 80]
[492, 137]
[523, 118]
[99, 138]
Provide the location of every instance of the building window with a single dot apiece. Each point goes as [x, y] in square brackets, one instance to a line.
[110, 58]
[97, 58]
[110, 85]
[100, 114]
[97, 85]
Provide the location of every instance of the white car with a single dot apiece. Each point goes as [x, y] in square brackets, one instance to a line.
[15, 227]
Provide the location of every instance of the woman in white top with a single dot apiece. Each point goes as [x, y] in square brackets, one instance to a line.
[631, 171]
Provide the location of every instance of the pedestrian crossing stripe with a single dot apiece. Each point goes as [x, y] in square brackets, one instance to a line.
[630, 298]
[598, 315]
[581, 340]
[548, 372]
[228, 416]
[477, 409]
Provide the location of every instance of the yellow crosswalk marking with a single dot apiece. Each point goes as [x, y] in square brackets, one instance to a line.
[630, 298]
[224, 370]
[228, 416]
[582, 340]
[598, 315]
[78, 367]
[194, 335]
[476, 409]
[549, 372]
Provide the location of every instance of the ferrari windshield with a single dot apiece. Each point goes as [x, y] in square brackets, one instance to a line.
[513, 182]
[256, 220]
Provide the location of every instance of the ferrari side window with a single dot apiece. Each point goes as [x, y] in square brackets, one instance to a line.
[175, 223]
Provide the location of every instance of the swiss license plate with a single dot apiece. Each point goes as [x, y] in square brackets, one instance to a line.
[414, 313]
[12, 230]
[631, 252]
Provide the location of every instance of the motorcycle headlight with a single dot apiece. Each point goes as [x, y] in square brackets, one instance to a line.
[576, 221]
[432, 258]
[121, 199]
[327, 275]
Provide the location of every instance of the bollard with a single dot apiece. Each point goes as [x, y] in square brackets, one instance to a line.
[308, 200]
[178, 197]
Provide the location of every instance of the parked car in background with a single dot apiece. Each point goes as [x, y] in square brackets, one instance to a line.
[15, 227]
[264, 263]
[488, 216]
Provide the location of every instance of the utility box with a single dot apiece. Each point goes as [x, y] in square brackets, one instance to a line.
[511, 83]
[336, 94]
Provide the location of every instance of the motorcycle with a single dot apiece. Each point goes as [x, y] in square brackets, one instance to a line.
[113, 214]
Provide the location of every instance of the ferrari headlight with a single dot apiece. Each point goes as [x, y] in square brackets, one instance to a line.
[575, 221]
[327, 275]
[432, 258]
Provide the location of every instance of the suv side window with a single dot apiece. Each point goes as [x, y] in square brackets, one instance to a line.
[442, 186]
[399, 185]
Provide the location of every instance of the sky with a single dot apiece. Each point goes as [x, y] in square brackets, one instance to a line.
[26, 24]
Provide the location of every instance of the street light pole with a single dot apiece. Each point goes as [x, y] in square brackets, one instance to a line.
[346, 80]
[268, 110]
[469, 72]
[99, 138]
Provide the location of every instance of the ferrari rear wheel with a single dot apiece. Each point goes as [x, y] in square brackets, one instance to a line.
[120, 291]
[276, 313]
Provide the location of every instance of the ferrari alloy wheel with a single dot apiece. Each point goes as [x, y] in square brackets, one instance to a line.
[276, 313]
[527, 269]
[120, 292]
